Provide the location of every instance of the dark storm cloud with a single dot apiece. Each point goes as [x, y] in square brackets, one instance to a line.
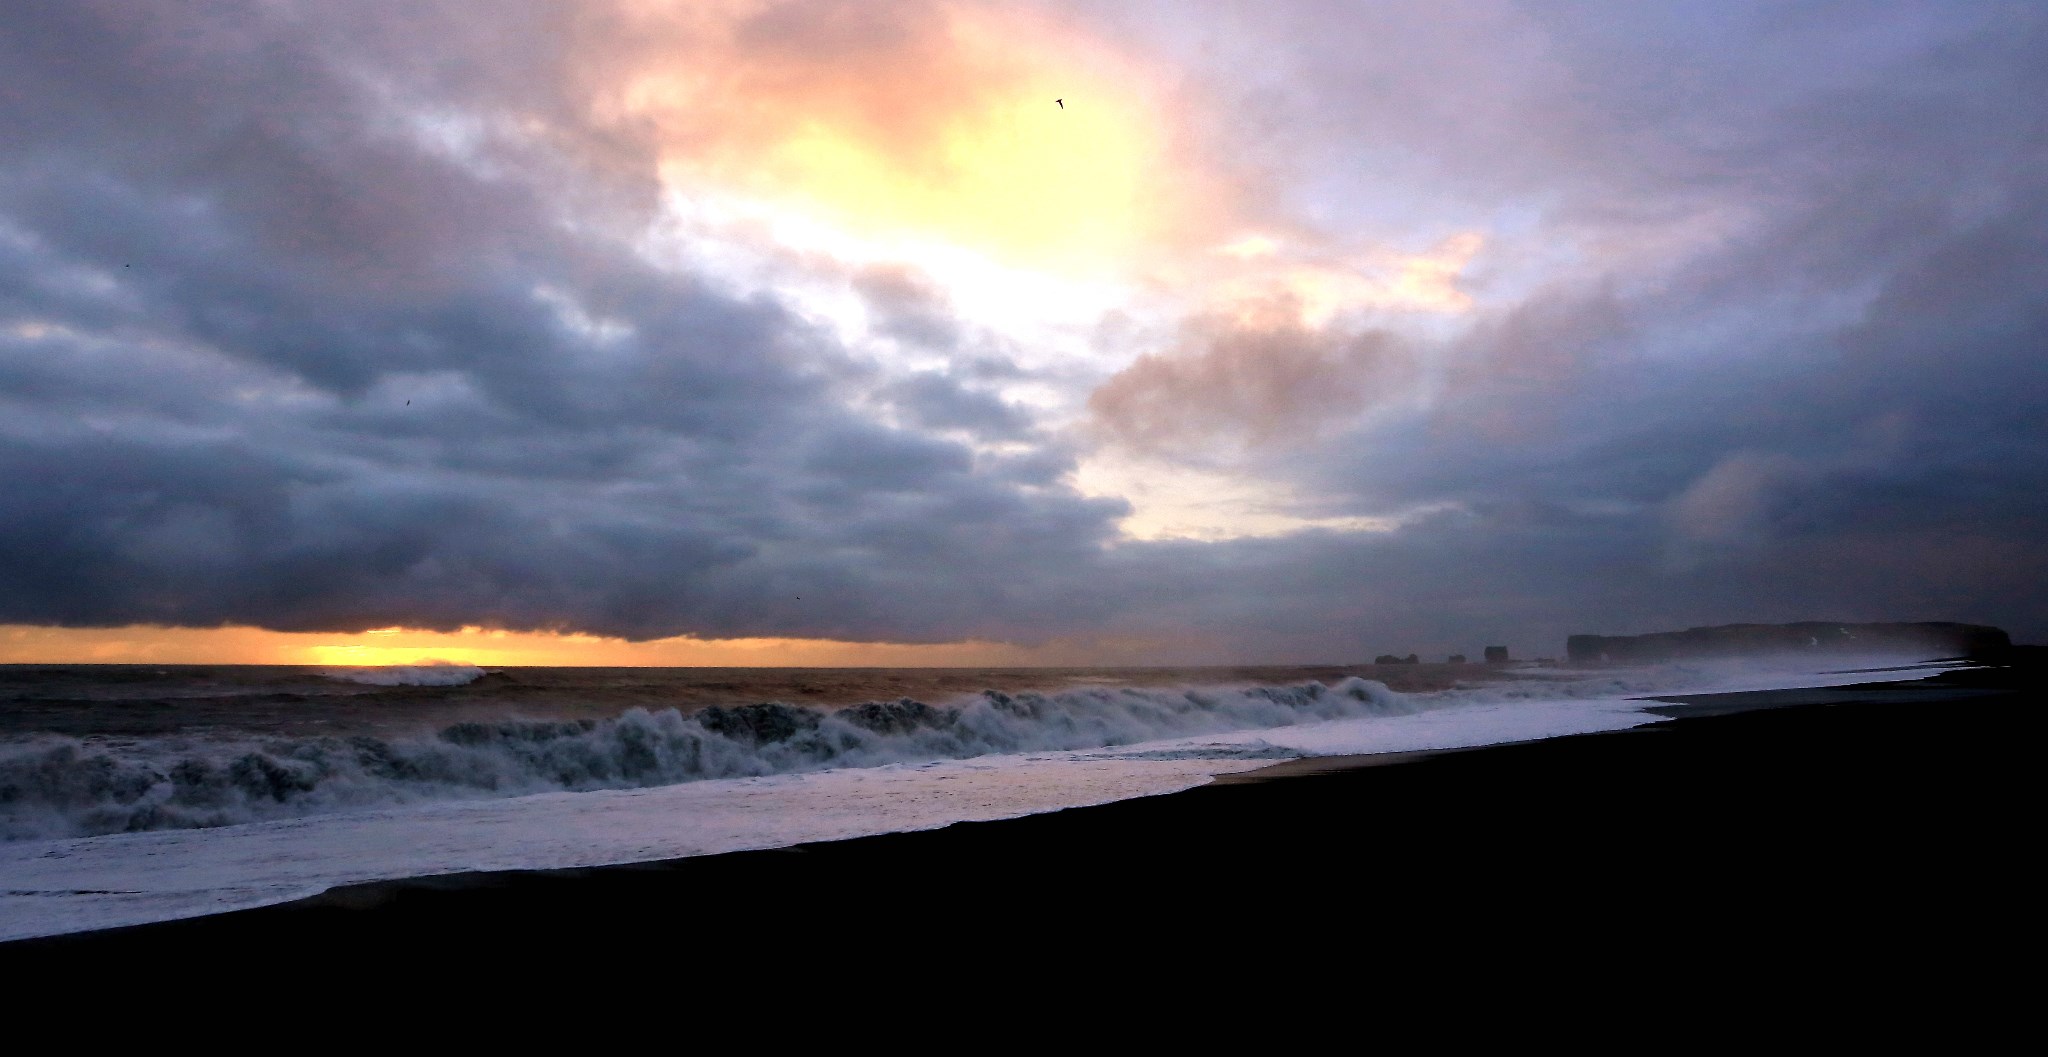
[236, 239]
[1833, 407]
[275, 354]
[938, 401]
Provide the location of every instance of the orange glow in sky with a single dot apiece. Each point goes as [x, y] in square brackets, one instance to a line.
[982, 129]
[147, 644]
[950, 126]
[976, 128]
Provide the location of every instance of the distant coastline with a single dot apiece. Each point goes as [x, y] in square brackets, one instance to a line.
[1924, 639]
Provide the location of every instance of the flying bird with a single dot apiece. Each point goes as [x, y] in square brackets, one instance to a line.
[1062, 103]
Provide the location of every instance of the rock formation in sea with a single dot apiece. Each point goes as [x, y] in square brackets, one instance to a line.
[1927, 639]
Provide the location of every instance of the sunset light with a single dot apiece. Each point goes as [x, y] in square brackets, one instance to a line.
[462, 463]
[145, 644]
[678, 332]
[986, 129]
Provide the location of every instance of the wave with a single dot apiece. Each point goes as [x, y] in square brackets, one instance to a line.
[439, 673]
[59, 786]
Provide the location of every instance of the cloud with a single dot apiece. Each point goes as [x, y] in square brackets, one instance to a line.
[294, 362]
[937, 401]
[916, 119]
[907, 307]
[1249, 383]
[1735, 502]
[1733, 310]
[345, 317]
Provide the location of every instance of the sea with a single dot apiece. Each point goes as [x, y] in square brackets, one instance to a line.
[140, 793]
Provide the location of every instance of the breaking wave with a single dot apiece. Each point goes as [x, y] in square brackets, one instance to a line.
[59, 786]
[441, 674]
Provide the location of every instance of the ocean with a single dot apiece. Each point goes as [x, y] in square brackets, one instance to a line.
[139, 793]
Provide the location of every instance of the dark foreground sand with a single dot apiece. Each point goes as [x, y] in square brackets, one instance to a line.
[1771, 848]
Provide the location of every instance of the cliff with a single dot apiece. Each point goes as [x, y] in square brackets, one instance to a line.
[1925, 640]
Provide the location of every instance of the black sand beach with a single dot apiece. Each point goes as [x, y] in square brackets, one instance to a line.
[1879, 833]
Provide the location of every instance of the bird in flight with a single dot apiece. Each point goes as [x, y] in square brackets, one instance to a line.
[1062, 103]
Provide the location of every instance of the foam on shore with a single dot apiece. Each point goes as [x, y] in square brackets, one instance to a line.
[57, 886]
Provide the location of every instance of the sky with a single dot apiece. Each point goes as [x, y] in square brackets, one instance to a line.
[954, 332]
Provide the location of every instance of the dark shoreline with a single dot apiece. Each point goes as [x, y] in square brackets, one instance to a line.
[1778, 819]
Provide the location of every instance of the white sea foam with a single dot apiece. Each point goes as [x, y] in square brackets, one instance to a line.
[1080, 751]
[433, 673]
[54, 786]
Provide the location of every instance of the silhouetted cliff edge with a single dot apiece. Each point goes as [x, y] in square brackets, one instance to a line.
[1926, 640]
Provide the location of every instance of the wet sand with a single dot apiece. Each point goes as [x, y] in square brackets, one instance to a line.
[1879, 834]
